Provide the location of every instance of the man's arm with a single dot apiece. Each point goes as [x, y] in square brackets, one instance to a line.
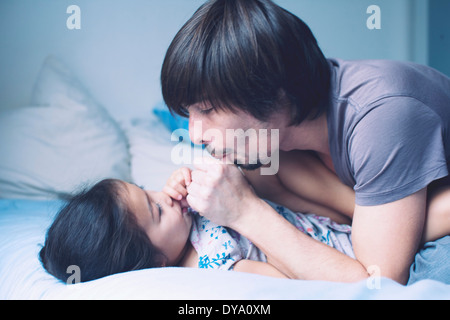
[292, 252]
[221, 194]
[258, 267]
[386, 236]
[270, 188]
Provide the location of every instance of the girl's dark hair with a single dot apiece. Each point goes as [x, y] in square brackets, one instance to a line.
[250, 55]
[96, 232]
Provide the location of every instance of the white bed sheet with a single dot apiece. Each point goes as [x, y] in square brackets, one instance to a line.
[23, 224]
[22, 227]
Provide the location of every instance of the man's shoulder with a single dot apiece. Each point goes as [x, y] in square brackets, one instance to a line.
[363, 82]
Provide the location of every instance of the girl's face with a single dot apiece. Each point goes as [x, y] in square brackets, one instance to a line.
[166, 221]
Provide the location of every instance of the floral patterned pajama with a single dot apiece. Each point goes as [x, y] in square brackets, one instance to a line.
[220, 248]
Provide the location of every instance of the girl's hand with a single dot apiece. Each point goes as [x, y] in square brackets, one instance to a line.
[177, 183]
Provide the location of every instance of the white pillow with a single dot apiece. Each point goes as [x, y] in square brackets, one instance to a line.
[156, 152]
[150, 148]
[63, 141]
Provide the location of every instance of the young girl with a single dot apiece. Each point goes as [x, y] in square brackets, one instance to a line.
[117, 227]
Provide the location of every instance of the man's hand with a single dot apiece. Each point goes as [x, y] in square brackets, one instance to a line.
[219, 192]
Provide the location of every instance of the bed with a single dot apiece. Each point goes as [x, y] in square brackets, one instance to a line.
[65, 140]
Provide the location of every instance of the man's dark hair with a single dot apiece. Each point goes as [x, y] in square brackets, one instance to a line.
[250, 55]
[97, 233]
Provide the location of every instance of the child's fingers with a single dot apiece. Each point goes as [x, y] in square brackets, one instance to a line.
[171, 192]
[187, 175]
[181, 189]
[178, 186]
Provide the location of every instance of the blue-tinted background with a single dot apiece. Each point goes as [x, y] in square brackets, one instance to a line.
[119, 50]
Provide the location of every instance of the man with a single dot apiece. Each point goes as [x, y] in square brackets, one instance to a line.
[383, 127]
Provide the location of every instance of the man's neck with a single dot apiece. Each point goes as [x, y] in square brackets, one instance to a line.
[309, 135]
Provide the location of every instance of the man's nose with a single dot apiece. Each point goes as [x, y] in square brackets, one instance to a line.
[196, 131]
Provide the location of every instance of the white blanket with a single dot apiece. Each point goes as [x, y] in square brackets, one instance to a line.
[22, 229]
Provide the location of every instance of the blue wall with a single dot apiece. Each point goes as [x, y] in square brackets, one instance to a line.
[440, 35]
[340, 27]
[119, 50]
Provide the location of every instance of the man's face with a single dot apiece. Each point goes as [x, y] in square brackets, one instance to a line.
[236, 137]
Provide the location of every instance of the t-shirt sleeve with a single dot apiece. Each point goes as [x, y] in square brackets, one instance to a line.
[395, 150]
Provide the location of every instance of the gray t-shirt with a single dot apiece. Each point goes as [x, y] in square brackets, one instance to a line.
[388, 128]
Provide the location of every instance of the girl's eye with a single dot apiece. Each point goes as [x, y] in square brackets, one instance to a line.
[158, 205]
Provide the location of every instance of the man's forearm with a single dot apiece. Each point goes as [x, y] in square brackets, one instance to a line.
[293, 252]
